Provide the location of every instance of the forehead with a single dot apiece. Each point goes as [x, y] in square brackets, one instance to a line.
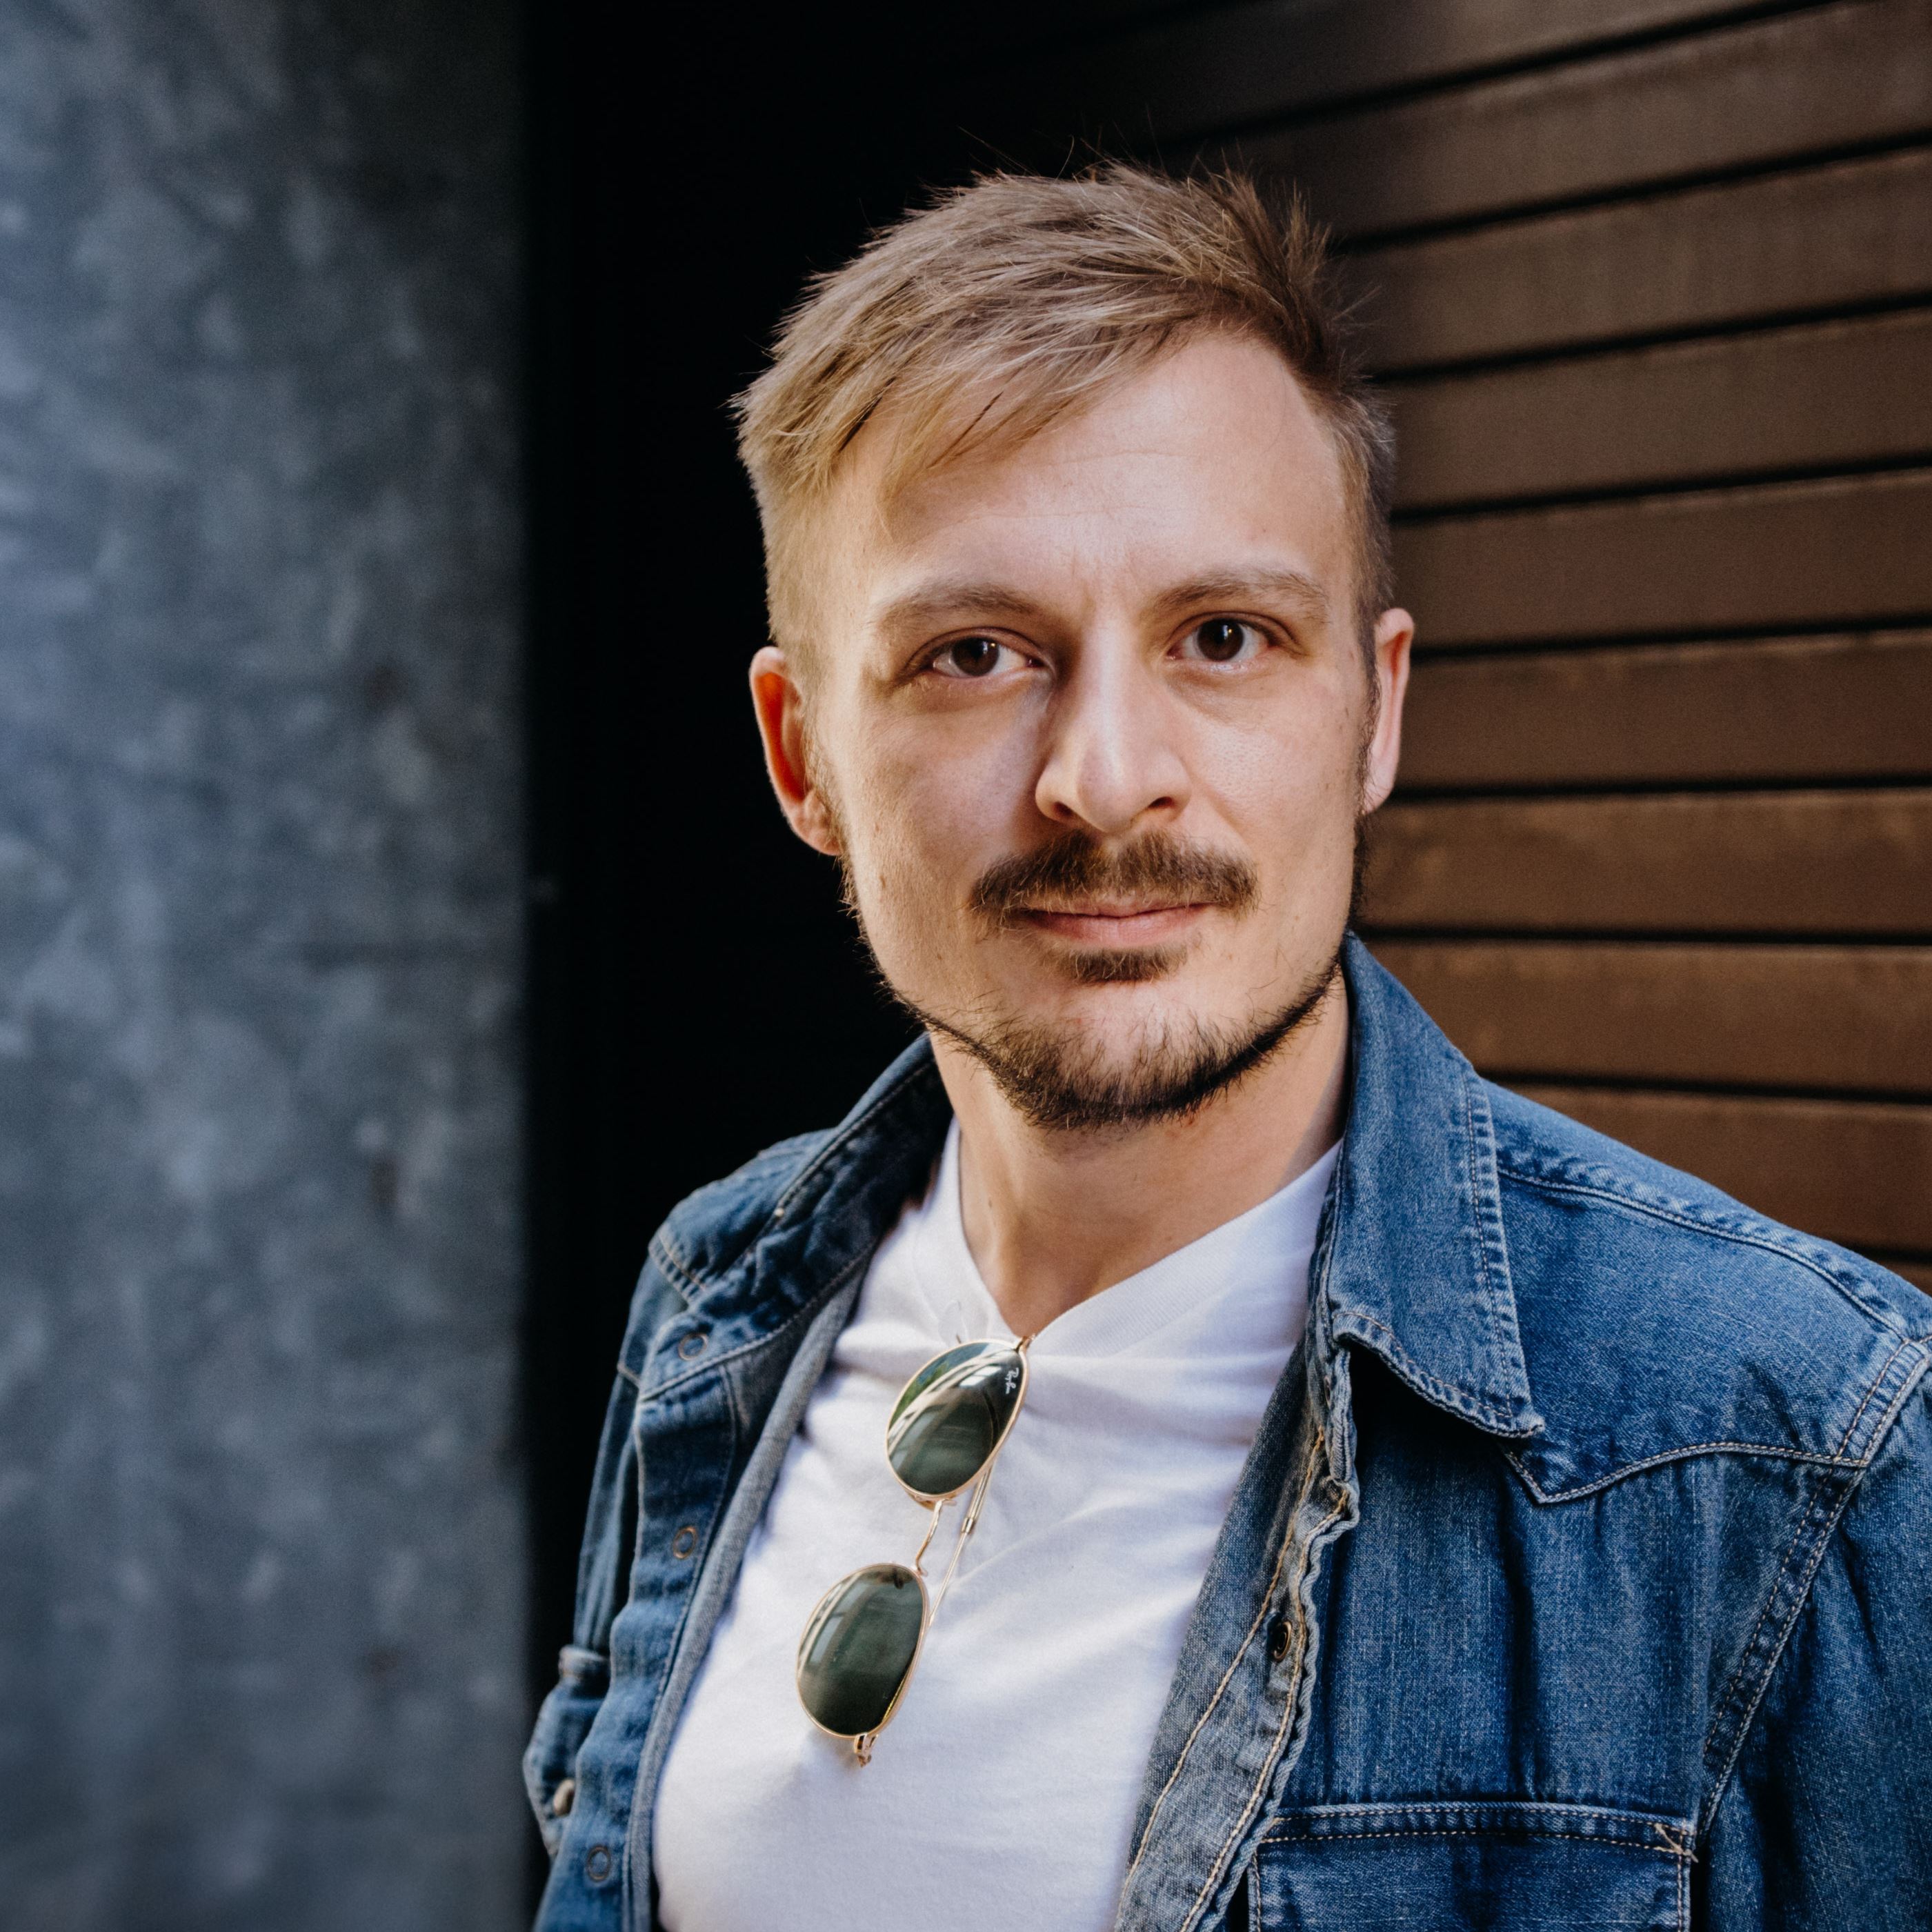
[1212, 457]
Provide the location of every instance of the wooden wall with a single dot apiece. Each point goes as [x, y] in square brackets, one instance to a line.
[1650, 282]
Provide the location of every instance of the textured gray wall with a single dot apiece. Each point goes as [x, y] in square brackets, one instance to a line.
[262, 1568]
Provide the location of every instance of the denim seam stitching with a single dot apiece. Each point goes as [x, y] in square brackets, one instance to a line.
[1455, 1398]
[1689, 1451]
[1233, 1664]
[1760, 1676]
[1821, 1542]
[1483, 1269]
[760, 1169]
[1663, 1848]
[1734, 1691]
[1734, 1688]
[1512, 1806]
[626, 1831]
[665, 1254]
[1683, 1215]
[1291, 1705]
[679, 1381]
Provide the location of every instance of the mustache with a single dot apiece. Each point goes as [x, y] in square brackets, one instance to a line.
[1158, 866]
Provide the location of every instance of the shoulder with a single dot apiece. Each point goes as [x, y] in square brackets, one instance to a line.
[835, 1189]
[707, 1231]
[1661, 1319]
[703, 1234]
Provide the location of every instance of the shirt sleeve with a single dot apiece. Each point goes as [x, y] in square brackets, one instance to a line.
[1826, 1821]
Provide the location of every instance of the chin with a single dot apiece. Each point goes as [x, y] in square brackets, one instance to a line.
[1119, 1022]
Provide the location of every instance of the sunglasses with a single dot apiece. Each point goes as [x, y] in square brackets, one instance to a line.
[863, 1642]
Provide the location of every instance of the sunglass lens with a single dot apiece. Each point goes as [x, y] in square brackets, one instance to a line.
[952, 1415]
[858, 1647]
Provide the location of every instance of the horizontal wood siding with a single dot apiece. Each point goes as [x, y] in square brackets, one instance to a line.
[1818, 1018]
[1814, 862]
[1758, 711]
[1846, 550]
[1807, 242]
[1814, 82]
[1782, 401]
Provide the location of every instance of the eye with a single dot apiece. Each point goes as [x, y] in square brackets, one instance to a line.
[971, 657]
[1222, 640]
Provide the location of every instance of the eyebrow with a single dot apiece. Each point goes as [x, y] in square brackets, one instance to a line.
[954, 599]
[1290, 589]
[964, 599]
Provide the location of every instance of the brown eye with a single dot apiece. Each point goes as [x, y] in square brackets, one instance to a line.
[1220, 640]
[970, 657]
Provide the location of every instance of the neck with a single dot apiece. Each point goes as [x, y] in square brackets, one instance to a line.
[1053, 1217]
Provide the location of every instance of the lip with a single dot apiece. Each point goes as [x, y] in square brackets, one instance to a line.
[1116, 929]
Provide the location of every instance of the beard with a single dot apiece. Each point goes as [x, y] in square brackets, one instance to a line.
[1068, 1086]
[1053, 1077]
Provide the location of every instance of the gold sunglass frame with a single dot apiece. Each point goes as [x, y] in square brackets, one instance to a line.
[863, 1741]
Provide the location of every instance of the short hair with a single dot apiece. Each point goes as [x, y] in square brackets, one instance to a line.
[1010, 303]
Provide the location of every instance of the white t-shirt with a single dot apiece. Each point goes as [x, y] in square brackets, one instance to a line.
[1003, 1791]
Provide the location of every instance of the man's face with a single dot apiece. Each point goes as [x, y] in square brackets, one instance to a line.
[1088, 723]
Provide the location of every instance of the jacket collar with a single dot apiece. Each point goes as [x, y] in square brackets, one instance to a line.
[1417, 1271]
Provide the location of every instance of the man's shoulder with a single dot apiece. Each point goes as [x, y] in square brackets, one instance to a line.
[703, 1235]
[710, 1228]
[834, 1191]
[1662, 1320]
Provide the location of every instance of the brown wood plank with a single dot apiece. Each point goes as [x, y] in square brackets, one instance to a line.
[1228, 66]
[1776, 247]
[1851, 551]
[1823, 396]
[1858, 73]
[1859, 1172]
[1847, 1018]
[1915, 1270]
[1769, 710]
[1773, 863]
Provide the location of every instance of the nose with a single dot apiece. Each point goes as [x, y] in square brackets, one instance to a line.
[1112, 761]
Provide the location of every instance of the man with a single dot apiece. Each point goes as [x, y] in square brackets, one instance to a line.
[1186, 1452]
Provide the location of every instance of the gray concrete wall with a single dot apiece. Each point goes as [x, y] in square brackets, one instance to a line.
[262, 1566]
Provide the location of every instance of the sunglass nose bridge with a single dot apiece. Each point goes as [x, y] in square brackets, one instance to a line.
[935, 1511]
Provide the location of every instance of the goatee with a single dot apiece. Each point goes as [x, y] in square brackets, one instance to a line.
[1063, 1085]
[1054, 1079]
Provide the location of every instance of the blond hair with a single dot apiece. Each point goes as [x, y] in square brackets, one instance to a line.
[1010, 303]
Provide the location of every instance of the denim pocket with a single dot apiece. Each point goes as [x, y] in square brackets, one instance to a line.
[561, 1726]
[1503, 1866]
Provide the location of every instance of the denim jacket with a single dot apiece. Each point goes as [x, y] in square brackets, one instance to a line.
[1580, 1575]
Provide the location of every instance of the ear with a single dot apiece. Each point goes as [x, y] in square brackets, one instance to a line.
[1395, 633]
[779, 703]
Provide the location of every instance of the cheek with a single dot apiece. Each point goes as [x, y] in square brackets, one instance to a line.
[907, 856]
[944, 804]
[1290, 784]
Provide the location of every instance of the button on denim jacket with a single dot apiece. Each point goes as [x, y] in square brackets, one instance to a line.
[1580, 1575]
